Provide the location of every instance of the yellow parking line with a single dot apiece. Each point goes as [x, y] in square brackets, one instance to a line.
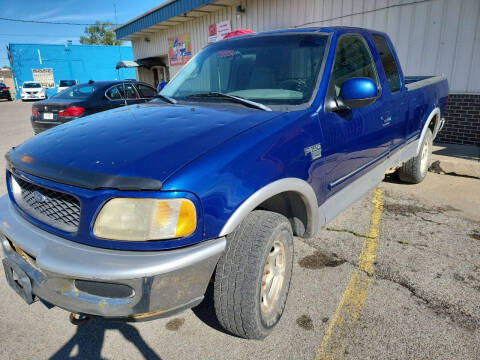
[353, 300]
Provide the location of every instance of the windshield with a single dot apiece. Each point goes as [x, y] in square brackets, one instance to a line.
[2, 85]
[31, 85]
[76, 92]
[65, 83]
[273, 69]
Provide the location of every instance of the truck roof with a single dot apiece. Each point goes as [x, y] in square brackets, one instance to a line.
[329, 29]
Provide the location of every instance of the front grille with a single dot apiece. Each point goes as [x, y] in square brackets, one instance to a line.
[55, 208]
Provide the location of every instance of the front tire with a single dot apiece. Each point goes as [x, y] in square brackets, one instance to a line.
[415, 170]
[253, 276]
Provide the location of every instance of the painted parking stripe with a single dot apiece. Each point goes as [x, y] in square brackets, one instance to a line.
[352, 303]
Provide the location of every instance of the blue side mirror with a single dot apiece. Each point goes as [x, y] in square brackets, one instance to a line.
[161, 85]
[356, 92]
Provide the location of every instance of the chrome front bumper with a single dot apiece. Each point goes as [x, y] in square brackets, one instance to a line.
[161, 282]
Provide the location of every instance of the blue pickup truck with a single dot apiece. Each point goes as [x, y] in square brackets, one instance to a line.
[131, 213]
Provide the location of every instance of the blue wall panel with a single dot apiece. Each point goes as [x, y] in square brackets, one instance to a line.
[79, 62]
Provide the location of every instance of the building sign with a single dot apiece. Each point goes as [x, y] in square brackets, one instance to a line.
[179, 49]
[217, 32]
[44, 77]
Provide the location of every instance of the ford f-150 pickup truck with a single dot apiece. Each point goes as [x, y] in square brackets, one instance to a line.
[131, 213]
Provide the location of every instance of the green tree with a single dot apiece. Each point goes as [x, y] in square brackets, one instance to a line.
[100, 34]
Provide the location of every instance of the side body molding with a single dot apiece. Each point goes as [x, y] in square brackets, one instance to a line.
[296, 185]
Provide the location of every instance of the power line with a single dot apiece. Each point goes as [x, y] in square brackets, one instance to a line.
[46, 22]
[364, 12]
[39, 35]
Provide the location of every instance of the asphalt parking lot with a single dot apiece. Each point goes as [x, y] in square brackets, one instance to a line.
[396, 276]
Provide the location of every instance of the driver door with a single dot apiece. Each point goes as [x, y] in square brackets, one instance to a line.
[355, 139]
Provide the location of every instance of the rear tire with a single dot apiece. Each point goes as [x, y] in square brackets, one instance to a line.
[415, 170]
[253, 276]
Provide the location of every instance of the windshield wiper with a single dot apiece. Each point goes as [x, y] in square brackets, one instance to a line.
[166, 98]
[235, 99]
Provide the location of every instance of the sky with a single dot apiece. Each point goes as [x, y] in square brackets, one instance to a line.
[70, 11]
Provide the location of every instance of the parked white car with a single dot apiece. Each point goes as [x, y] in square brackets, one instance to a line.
[65, 84]
[32, 90]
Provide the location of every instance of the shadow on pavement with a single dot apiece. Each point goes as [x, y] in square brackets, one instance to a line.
[205, 311]
[89, 340]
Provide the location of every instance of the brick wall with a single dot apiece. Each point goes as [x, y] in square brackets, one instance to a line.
[462, 118]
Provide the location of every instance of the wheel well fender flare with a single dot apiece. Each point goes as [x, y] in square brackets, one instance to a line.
[299, 186]
[435, 112]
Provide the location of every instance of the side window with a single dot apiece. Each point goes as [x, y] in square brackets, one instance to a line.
[388, 62]
[352, 59]
[130, 92]
[146, 91]
[115, 93]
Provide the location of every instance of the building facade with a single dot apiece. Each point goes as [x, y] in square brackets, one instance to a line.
[48, 64]
[431, 37]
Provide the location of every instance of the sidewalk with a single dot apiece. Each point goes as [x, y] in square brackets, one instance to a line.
[463, 160]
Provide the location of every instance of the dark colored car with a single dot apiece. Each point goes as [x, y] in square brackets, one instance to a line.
[5, 92]
[86, 99]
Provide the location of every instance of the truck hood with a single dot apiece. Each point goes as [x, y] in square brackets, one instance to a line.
[134, 147]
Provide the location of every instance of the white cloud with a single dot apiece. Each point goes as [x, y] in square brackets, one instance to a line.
[44, 15]
[88, 18]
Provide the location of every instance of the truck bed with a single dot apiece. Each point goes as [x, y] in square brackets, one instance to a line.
[414, 82]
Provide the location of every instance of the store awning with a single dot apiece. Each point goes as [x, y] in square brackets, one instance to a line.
[170, 13]
[126, 64]
[150, 62]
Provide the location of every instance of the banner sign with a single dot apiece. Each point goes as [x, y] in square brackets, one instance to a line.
[179, 49]
[44, 77]
[216, 32]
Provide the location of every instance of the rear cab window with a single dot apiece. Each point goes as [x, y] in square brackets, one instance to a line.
[388, 62]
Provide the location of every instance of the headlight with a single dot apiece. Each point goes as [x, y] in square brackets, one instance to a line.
[145, 219]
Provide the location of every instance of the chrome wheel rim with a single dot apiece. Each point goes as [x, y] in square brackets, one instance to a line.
[424, 158]
[273, 277]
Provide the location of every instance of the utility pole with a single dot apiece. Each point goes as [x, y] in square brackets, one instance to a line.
[119, 50]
